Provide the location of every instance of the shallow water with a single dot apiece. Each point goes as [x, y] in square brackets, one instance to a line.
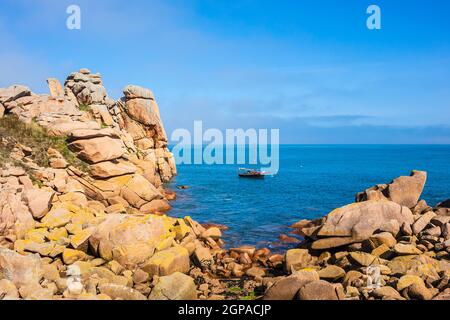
[312, 180]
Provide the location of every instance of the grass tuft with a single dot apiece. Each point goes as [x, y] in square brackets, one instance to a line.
[34, 136]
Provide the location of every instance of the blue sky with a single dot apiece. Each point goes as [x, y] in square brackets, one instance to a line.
[310, 68]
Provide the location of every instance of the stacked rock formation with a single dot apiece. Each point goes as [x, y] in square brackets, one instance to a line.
[123, 141]
[387, 245]
[62, 245]
[100, 233]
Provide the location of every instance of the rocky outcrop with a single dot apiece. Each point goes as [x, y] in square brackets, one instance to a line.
[404, 190]
[123, 141]
[59, 244]
[389, 246]
[359, 221]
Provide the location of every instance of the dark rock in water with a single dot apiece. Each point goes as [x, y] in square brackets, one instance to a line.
[444, 204]
[182, 187]
[286, 239]
[443, 208]
[221, 227]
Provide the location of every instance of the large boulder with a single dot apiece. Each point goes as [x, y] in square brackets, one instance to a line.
[177, 286]
[139, 191]
[166, 262]
[404, 190]
[287, 287]
[39, 201]
[142, 111]
[20, 269]
[108, 169]
[86, 87]
[55, 88]
[15, 217]
[130, 240]
[443, 208]
[321, 290]
[13, 93]
[358, 221]
[132, 92]
[298, 259]
[98, 149]
[142, 114]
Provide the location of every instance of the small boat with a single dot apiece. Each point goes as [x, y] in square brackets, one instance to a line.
[250, 173]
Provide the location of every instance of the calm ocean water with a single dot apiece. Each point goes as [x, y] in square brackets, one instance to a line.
[312, 180]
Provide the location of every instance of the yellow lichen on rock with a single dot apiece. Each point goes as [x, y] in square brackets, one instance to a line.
[70, 256]
[168, 261]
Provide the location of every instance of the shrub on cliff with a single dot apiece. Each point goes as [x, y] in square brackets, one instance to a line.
[13, 131]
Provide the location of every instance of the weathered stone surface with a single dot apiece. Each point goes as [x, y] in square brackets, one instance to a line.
[156, 206]
[359, 220]
[120, 292]
[203, 256]
[404, 190]
[57, 217]
[422, 222]
[98, 149]
[298, 259]
[108, 169]
[383, 238]
[419, 292]
[331, 273]
[409, 280]
[128, 239]
[39, 201]
[15, 217]
[71, 256]
[319, 290]
[132, 92]
[406, 249]
[56, 89]
[13, 92]
[212, 232]
[19, 269]
[333, 242]
[287, 288]
[166, 262]
[64, 128]
[92, 133]
[176, 286]
[363, 259]
[8, 290]
[387, 293]
[138, 191]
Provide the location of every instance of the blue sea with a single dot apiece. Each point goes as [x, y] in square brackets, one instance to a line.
[312, 180]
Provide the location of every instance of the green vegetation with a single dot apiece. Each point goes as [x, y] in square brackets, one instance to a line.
[85, 107]
[240, 293]
[249, 296]
[34, 136]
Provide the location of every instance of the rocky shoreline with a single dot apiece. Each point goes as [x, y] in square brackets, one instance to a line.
[83, 216]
